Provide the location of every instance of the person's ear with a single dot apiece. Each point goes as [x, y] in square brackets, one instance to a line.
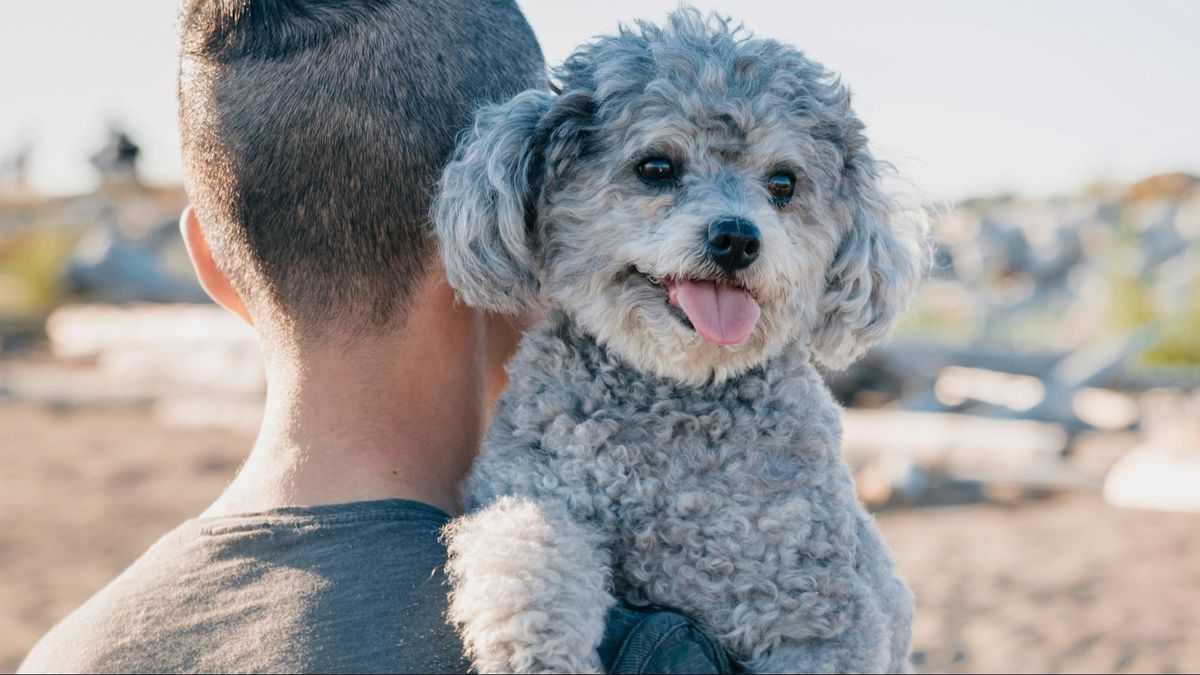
[212, 279]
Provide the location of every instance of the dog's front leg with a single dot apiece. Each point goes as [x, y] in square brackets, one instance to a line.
[876, 633]
[530, 588]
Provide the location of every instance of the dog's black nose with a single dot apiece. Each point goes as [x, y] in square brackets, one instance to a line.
[733, 243]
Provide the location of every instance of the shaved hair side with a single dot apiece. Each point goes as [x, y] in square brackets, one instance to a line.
[313, 133]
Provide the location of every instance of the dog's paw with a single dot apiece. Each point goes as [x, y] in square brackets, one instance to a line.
[530, 588]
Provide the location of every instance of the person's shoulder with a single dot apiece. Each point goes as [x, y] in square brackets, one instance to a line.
[295, 589]
[86, 641]
[90, 638]
[642, 640]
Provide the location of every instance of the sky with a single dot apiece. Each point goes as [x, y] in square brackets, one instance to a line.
[966, 98]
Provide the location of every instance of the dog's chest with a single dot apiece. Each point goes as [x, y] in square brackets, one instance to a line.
[745, 501]
[659, 464]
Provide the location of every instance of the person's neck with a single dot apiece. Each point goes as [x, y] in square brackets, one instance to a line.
[396, 418]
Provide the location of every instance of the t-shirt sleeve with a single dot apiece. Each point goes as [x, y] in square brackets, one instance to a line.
[658, 641]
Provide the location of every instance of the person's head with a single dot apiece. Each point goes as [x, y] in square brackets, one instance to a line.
[313, 132]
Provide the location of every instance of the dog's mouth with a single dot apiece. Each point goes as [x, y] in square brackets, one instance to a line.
[720, 311]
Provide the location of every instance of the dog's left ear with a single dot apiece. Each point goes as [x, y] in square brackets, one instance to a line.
[486, 212]
[880, 260]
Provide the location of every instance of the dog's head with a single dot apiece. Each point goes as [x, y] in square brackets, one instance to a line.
[695, 198]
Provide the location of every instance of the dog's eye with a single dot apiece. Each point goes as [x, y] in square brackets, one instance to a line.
[656, 170]
[781, 186]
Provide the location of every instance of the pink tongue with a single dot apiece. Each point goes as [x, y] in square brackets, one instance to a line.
[720, 313]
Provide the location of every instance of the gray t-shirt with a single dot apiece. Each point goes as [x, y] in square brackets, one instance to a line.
[352, 587]
[344, 588]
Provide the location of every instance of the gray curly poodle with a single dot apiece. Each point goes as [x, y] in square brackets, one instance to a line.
[699, 212]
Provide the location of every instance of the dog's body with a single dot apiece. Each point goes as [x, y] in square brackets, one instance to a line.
[701, 212]
[729, 502]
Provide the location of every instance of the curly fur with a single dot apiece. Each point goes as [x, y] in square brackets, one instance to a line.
[671, 470]
[530, 588]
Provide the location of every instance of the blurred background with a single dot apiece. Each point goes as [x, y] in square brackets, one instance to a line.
[1030, 441]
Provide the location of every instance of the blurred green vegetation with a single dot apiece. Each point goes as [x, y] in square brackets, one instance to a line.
[1179, 345]
[939, 312]
[31, 269]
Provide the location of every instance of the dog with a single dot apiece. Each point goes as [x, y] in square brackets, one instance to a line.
[698, 214]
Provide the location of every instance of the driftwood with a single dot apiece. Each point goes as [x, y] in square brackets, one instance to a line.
[194, 365]
[905, 457]
[162, 348]
[965, 445]
[987, 382]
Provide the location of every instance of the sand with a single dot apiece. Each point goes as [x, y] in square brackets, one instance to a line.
[1064, 584]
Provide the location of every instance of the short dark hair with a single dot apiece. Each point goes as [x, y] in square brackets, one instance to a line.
[313, 133]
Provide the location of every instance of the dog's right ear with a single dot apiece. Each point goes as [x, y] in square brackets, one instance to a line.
[485, 211]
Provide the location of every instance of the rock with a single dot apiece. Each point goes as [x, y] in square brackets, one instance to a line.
[1164, 472]
[1149, 478]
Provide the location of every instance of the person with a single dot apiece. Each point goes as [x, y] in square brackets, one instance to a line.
[312, 135]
